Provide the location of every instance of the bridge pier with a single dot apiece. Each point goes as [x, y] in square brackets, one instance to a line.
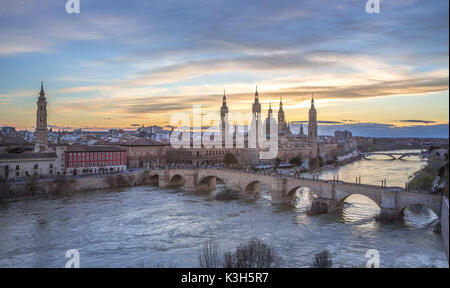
[389, 207]
[327, 205]
[190, 184]
[163, 178]
[209, 186]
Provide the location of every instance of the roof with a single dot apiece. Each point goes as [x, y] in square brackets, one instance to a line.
[94, 148]
[14, 141]
[141, 142]
[28, 156]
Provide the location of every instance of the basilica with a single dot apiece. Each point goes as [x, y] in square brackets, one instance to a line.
[303, 144]
[289, 144]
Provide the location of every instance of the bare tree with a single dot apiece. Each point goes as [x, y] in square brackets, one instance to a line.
[208, 255]
[4, 188]
[253, 254]
[322, 260]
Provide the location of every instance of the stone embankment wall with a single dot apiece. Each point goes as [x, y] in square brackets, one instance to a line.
[350, 160]
[444, 223]
[69, 185]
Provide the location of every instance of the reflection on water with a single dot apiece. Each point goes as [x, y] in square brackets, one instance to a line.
[303, 199]
[150, 226]
[359, 209]
[419, 217]
[396, 172]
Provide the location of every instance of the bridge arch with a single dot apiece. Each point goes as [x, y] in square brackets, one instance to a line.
[346, 197]
[252, 190]
[301, 198]
[208, 182]
[293, 191]
[206, 178]
[177, 180]
[154, 180]
[422, 206]
[386, 158]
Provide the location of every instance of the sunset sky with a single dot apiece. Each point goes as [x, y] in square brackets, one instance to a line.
[122, 63]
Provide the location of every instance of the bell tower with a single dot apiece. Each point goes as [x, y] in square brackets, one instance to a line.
[312, 130]
[41, 133]
[223, 118]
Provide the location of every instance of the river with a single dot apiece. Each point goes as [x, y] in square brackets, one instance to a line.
[154, 227]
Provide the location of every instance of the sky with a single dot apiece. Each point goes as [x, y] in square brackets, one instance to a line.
[118, 64]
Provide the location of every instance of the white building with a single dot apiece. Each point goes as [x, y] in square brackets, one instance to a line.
[19, 166]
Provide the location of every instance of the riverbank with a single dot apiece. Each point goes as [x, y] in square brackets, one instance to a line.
[433, 176]
[62, 186]
[344, 160]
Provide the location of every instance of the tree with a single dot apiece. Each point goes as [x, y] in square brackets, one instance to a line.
[296, 161]
[4, 188]
[254, 254]
[321, 162]
[276, 164]
[31, 185]
[322, 260]
[229, 159]
[208, 255]
[314, 163]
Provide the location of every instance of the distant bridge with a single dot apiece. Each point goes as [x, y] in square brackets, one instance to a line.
[394, 155]
[391, 200]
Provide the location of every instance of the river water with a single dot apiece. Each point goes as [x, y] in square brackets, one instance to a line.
[154, 227]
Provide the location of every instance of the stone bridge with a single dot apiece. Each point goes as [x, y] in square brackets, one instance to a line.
[391, 200]
[393, 155]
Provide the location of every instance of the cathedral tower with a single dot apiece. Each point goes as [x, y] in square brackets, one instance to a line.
[282, 125]
[312, 130]
[223, 118]
[256, 110]
[41, 133]
[269, 118]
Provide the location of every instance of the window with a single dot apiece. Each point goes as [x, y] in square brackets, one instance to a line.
[35, 166]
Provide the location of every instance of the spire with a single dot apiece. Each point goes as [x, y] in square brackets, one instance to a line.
[224, 108]
[312, 102]
[301, 133]
[281, 104]
[256, 107]
[42, 93]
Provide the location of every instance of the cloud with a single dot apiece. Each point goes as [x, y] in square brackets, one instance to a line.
[416, 121]
[154, 58]
[319, 121]
[385, 130]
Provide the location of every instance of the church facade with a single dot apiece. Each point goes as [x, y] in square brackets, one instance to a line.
[290, 145]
